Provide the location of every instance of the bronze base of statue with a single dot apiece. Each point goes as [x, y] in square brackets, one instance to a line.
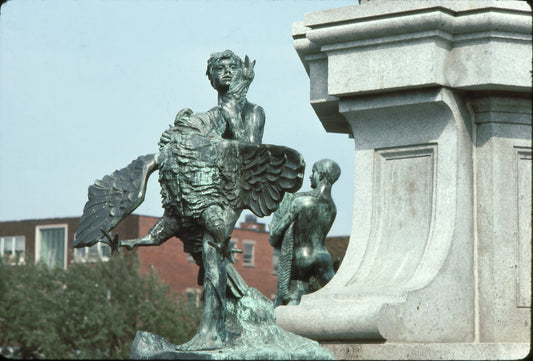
[252, 334]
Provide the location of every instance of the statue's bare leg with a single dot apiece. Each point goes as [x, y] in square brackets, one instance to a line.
[211, 332]
[325, 271]
[297, 289]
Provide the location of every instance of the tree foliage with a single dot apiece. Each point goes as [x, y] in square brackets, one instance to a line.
[89, 311]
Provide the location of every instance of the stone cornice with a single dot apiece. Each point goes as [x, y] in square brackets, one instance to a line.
[394, 9]
[454, 22]
[474, 46]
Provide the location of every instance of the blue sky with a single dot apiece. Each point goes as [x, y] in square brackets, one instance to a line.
[87, 86]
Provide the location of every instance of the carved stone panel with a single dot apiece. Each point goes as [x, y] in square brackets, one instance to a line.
[404, 196]
[523, 281]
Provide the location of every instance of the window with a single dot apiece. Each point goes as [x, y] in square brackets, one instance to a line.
[51, 245]
[13, 248]
[193, 296]
[275, 260]
[99, 251]
[248, 258]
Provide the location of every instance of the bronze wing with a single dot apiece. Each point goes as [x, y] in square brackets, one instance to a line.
[112, 198]
[268, 171]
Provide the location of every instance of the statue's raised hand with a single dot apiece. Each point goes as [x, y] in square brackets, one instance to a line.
[248, 69]
[241, 82]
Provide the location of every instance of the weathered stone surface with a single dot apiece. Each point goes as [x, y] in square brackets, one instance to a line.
[407, 273]
[503, 182]
[431, 351]
[252, 335]
[436, 95]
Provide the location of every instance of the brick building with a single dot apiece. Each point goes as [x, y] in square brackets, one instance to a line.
[256, 264]
[50, 240]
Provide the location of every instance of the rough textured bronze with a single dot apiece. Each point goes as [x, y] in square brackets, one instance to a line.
[299, 229]
[211, 166]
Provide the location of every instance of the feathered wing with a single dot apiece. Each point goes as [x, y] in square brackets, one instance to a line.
[282, 238]
[112, 198]
[279, 225]
[268, 171]
[284, 267]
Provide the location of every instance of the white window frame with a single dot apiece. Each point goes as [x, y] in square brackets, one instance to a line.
[86, 258]
[252, 243]
[12, 240]
[38, 240]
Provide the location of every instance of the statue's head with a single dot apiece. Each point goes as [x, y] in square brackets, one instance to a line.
[325, 170]
[222, 67]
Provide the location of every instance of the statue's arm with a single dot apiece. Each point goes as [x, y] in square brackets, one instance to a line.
[244, 121]
[255, 124]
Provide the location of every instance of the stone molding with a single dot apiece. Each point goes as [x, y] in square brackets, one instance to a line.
[372, 48]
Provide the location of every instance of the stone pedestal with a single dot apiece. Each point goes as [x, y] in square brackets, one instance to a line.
[437, 96]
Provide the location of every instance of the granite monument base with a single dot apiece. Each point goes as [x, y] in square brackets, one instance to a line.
[437, 97]
[430, 351]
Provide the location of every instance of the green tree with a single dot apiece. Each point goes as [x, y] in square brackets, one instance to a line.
[88, 311]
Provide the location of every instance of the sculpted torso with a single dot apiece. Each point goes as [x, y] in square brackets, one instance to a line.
[299, 230]
[315, 218]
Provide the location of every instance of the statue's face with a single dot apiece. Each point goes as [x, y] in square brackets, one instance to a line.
[223, 73]
[315, 177]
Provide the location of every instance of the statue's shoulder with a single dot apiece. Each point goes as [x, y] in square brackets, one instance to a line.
[305, 199]
[305, 195]
[254, 108]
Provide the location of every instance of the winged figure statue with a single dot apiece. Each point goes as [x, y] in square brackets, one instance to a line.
[211, 167]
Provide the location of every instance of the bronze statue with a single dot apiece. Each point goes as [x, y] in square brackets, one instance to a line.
[211, 165]
[299, 228]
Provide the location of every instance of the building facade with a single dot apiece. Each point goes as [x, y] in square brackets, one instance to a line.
[50, 240]
[257, 264]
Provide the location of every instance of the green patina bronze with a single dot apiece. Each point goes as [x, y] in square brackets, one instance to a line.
[211, 166]
[298, 229]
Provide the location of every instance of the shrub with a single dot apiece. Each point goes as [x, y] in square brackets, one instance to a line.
[89, 311]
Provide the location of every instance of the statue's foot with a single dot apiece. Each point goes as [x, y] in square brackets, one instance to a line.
[203, 341]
